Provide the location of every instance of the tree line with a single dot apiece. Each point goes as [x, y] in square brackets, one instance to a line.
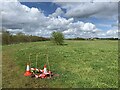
[92, 38]
[8, 38]
[56, 37]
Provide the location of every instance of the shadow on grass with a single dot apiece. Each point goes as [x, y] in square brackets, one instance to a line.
[64, 44]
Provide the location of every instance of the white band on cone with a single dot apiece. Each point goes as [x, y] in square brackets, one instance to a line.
[45, 70]
[28, 69]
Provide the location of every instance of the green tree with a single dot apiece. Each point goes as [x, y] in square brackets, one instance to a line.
[6, 37]
[58, 38]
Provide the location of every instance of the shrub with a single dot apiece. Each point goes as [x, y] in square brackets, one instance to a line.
[58, 38]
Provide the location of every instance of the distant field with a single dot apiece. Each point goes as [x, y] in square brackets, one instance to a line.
[80, 64]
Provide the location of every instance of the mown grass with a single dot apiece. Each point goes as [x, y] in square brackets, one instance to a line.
[80, 64]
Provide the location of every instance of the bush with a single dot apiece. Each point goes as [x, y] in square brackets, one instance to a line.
[58, 38]
[9, 38]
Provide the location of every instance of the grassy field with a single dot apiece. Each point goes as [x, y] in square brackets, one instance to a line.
[80, 64]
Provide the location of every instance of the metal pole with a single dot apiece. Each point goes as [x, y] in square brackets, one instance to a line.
[36, 60]
[29, 59]
[48, 62]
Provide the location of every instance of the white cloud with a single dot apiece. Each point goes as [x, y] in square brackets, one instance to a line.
[59, 24]
[112, 33]
[84, 0]
[108, 34]
[17, 17]
[81, 29]
[57, 13]
[88, 27]
[87, 9]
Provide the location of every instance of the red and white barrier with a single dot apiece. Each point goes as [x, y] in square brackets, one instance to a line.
[41, 73]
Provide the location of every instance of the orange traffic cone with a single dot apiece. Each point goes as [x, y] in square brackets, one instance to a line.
[45, 69]
[27, 73]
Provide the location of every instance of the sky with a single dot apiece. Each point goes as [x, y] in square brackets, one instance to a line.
[73, 19]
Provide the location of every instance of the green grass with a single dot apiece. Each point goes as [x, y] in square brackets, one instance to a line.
[80, 64]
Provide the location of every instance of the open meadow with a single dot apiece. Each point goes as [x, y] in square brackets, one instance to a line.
[80, 64]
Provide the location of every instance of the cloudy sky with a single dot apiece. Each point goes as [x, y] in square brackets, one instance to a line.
[73, 19]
